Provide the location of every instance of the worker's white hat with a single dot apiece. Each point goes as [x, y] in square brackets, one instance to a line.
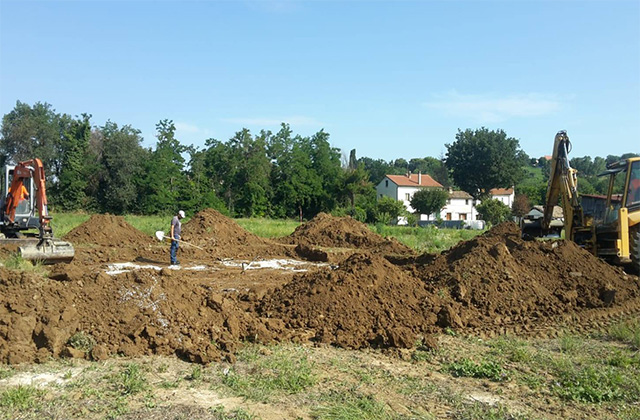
[181, 214]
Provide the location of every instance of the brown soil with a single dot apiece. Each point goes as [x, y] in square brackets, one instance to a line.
[221, 237]
[325, 230]
[492, 284]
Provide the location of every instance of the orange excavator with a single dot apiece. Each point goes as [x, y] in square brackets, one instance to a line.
[24, 184]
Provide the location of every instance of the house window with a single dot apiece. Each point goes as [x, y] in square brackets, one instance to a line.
[463, 216]
[466, 203]
[449, 201]
[407, 196]
[381, 195]
[448, 216]
[386, 183]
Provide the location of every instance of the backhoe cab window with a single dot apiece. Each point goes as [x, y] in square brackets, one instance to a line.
[634, 185]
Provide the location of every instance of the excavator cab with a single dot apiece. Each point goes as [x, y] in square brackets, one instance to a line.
[25, 218]
[618, 235]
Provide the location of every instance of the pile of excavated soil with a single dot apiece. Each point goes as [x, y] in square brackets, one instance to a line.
[366, 302]
[135, 313]
[107, 230]
[105, 237]
[221, 237]
[492, 284]
[328, 231]
[499, 279]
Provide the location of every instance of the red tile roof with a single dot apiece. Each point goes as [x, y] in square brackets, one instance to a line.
[412, 181]
[501, 191]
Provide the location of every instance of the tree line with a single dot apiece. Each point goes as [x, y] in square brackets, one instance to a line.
[281, 175]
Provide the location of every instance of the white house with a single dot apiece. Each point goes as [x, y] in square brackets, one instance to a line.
[505, 195]
[402, 188]
[460, 205]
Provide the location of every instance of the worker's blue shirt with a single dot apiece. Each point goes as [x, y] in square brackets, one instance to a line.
[177, 227]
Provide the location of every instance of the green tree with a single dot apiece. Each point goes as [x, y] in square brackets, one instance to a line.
[34, 132]
[389, 209]
[121, 168]
[480, 160]
[428, 201]
[71, 189]
[165, 185]
[494, 211]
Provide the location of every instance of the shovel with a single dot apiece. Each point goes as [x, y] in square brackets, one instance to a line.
[161, 237]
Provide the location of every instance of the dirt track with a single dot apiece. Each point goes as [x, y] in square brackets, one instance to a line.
[375, 293]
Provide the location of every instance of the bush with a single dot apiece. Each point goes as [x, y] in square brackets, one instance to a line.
[494, 211]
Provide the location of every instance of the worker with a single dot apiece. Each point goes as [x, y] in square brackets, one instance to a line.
[21, 194]
[176, 228]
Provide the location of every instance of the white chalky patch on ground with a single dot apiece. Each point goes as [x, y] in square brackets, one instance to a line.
[274, 264]
[39, 380]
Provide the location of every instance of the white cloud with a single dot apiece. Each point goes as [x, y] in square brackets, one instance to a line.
[293, 120]
[492, 108]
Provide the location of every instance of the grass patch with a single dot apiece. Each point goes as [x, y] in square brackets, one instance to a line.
[82, 341]
[596, 384]
[269, 228]
[426, 239]
[131, 380]
[348, 405]
[20, 397]
[487, 369]
[281, 370]
[16, 262]
[150, 224]
[626, 332]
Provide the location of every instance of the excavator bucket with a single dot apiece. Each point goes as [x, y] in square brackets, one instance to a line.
[48, 251]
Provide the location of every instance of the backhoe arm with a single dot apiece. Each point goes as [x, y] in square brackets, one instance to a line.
[563, 185]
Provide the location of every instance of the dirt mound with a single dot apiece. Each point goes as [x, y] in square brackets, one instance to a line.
[135, 313]
[366, 302]
[107, 230]
[105, 238]
[221, 237]
[500, 279]
[325, 230]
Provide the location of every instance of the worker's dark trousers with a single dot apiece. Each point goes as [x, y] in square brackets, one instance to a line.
[173, 252]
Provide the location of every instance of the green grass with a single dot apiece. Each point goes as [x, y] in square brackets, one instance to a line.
[488, 369]
[131, 380]
[63, 223]
[150, 224]
[280, 370]
[82, 341]
[16, 262]
[626, 332]
[351, 405]
[269, 228]
[426, 239]
[20, 397]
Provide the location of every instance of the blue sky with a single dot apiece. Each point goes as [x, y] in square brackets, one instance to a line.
[388, 78]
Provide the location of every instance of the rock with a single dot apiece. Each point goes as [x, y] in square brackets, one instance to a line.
[99, 352]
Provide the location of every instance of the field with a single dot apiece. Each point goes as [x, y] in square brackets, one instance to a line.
[327, 320]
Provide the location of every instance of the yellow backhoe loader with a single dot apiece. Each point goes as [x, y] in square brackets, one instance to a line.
[615, 236]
